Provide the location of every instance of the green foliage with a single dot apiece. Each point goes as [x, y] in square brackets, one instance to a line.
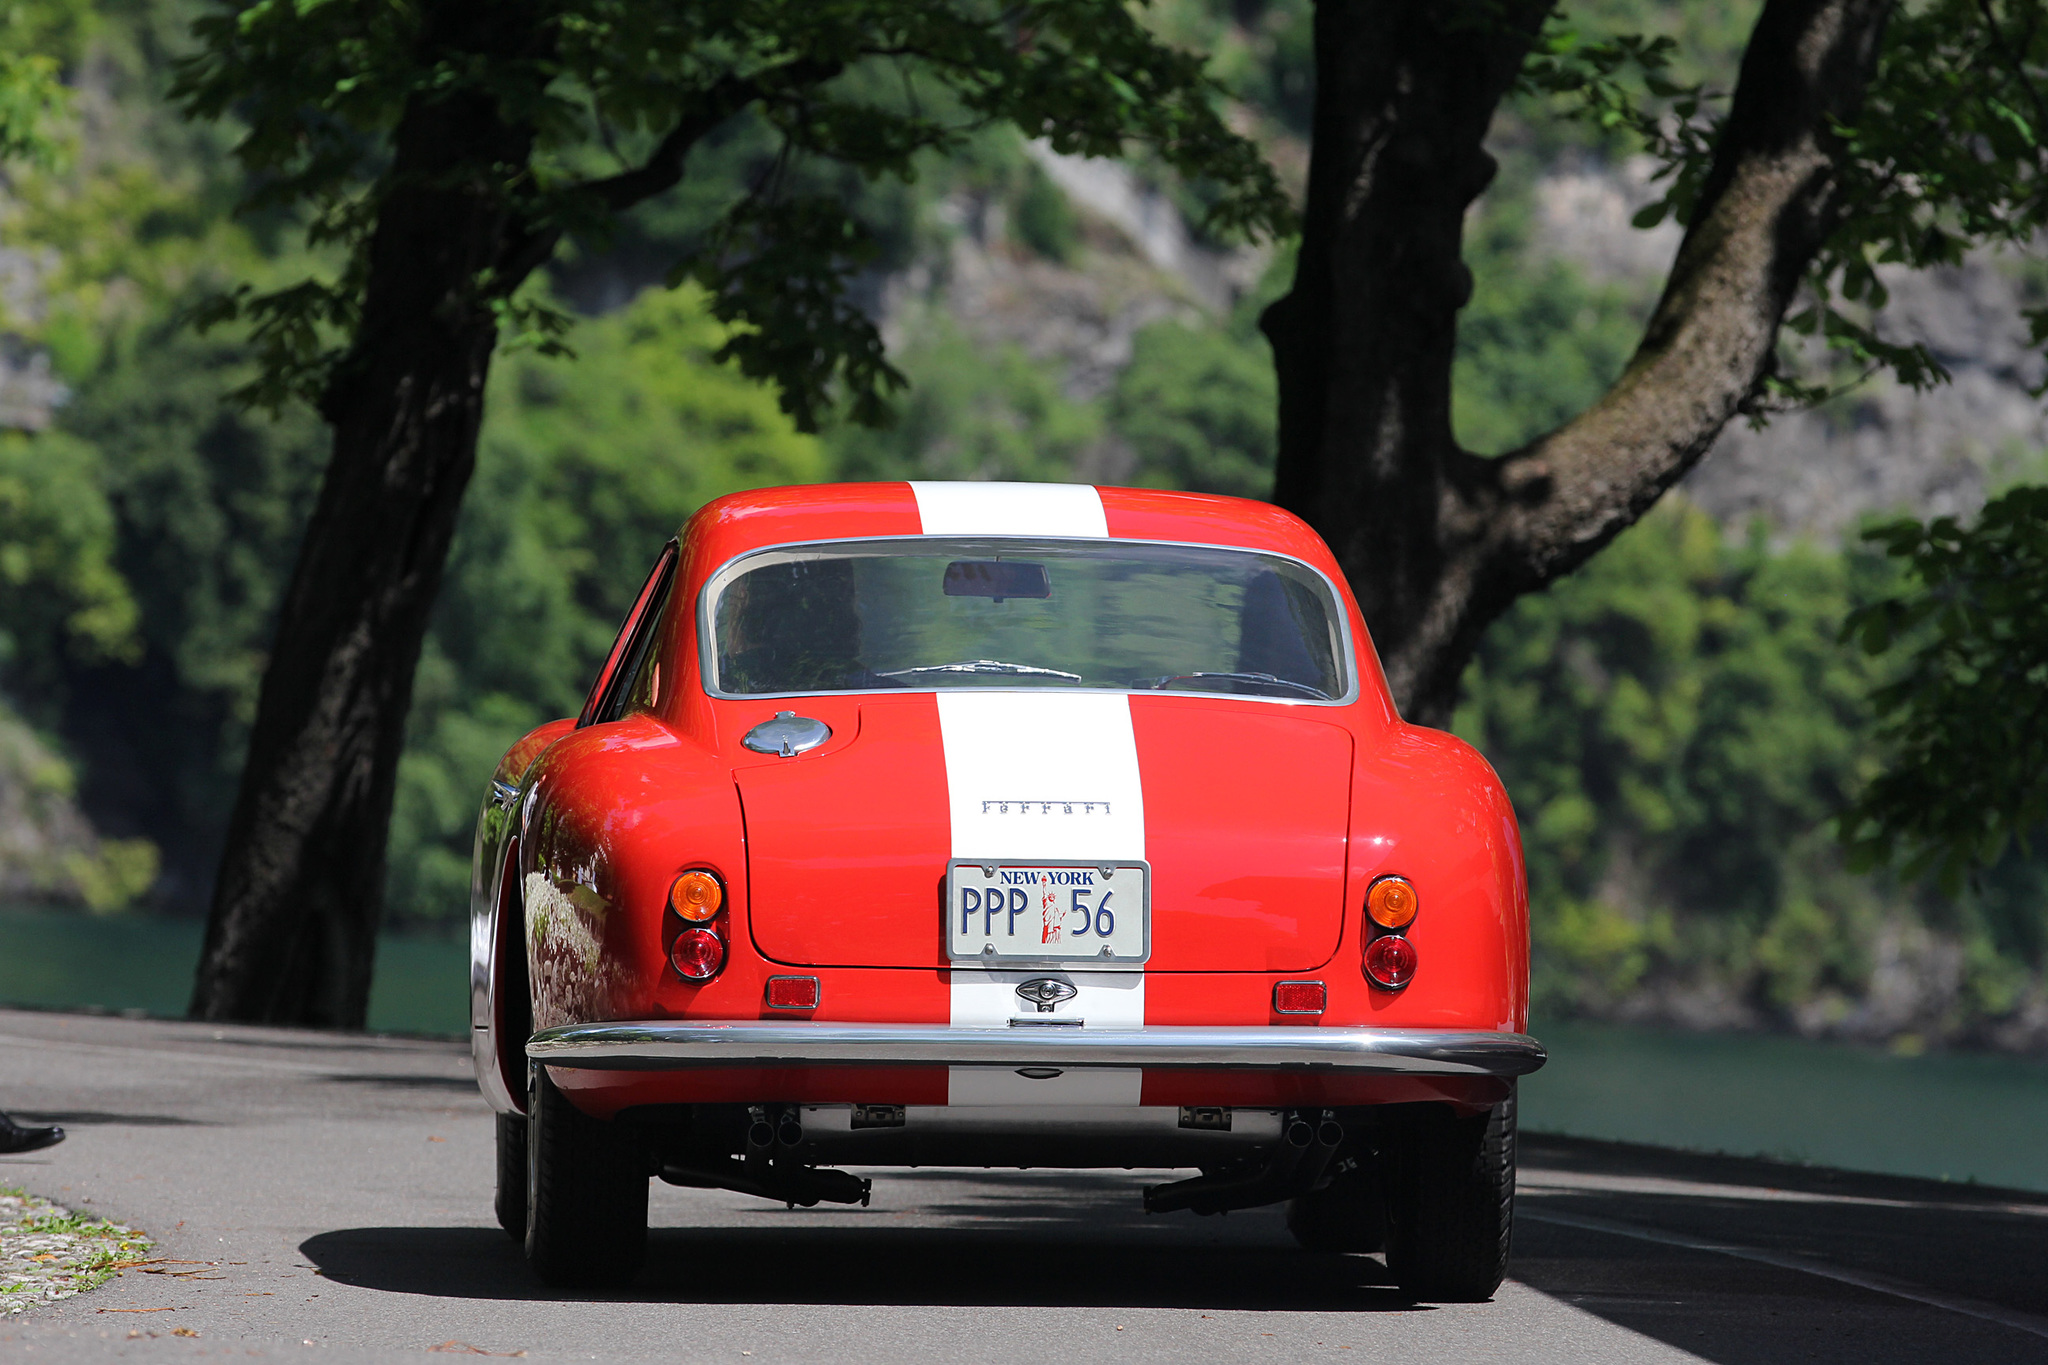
[1707, 41]
[323, 88]
[1537, 344]
[141, 217]
[30, 98]
[48, 852]
[112, 571]
[38, 40]
[1262, 51]
[1947, 156]
[1966, 722]
[971, 413]
[1676, 723]
[208, 503]
[1045, 221]
[61, 596]
[586, 469]
[1197, 406]
[1950, 153]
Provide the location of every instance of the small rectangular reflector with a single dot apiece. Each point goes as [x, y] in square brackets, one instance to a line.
[1299, 997]
[793, 992]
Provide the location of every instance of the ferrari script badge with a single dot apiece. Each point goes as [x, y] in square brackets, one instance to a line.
[1045, 992]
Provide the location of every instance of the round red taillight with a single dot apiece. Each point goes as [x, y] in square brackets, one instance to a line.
[697, 954]
[1390, 961]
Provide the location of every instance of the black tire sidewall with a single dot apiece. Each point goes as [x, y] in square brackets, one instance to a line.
[514, 1179]
[586, 1194]
[1450, 1191]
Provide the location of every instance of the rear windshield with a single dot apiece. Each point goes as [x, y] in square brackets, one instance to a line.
[942, 612]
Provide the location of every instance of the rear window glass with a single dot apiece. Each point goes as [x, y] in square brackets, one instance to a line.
[943, 612]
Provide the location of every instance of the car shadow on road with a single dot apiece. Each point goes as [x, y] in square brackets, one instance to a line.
[932, 1237]
[937, 1267]
[464, 1085]
[90, 1118]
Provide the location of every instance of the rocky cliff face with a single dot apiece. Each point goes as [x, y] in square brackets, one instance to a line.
[30, 391]
[1137, 263]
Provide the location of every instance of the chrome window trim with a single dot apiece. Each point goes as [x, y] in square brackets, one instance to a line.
[707, 660]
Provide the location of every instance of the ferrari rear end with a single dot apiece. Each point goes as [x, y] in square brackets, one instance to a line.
[989, 825]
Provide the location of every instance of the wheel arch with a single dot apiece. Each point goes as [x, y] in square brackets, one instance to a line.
[504, 1023]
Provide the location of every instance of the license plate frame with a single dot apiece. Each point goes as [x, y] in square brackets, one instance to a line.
[979, 943]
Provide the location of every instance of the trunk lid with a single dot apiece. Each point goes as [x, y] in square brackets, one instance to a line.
[1240, 809]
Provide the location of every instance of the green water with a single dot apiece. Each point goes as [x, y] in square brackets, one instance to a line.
[136, 963]
[1957, 1115]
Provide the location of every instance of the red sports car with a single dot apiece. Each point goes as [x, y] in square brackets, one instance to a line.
[972, 824]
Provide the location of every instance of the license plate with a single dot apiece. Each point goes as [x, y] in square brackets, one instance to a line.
[1071, 912]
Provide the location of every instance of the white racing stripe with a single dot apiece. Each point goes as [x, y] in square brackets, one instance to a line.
[1043, 775]
[1010, 509]
[1010, 756]
[999, 1085]
[988, 999]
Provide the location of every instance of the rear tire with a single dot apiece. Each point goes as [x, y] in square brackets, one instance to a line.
[511, 1202]
[1348, 1214]
[1451, 1204]
[586, 1194]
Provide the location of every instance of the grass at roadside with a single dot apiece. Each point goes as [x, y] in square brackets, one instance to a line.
[47, 1252]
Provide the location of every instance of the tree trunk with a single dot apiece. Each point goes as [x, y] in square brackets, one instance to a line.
[1435, 540]
[293, 930]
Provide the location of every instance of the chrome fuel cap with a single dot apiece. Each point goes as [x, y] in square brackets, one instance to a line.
[788, 734]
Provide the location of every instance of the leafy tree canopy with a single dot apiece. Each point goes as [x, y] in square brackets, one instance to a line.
[61, 595]
[1967, 720]
[1949, 154]
[615, 94]
[38, 38]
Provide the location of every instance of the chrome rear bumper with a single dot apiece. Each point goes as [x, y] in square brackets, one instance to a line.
[671, 1045]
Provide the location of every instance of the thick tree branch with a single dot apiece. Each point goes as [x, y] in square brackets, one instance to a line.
[526, 251]
[663, 169]
[1768, 205]
[1437, 541]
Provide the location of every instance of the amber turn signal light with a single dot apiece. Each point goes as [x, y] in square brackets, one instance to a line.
[696, 895]
[1392, 902]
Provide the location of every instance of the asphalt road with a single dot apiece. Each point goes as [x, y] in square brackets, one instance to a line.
[327, 1198]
